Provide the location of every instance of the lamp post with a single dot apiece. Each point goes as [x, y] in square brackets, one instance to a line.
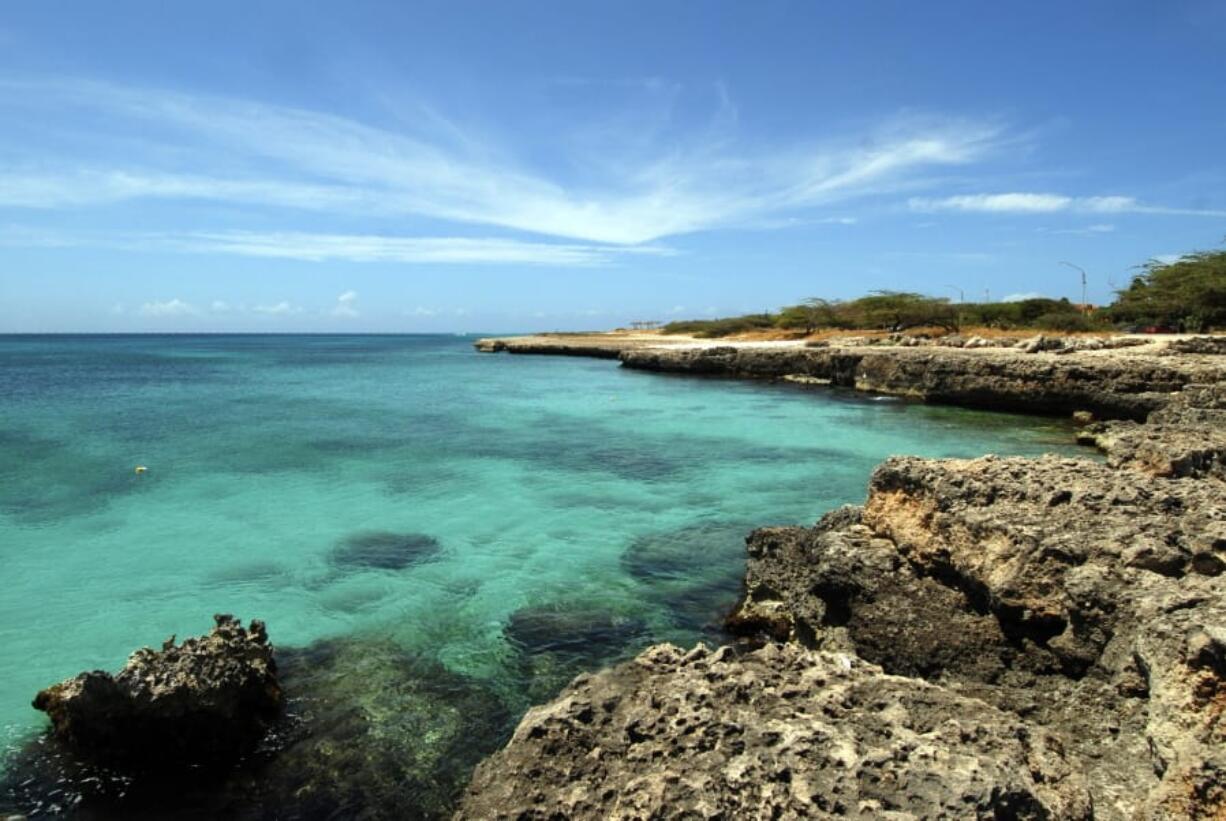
[1084, 306]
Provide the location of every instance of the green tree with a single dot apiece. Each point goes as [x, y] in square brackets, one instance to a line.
[810, 315]
[1188, 294]
[899, 310]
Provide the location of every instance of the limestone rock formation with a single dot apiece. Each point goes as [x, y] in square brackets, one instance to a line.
[1109, 383]
[1085, 598]
[199, 702]
[1186, 437]
[782, 732]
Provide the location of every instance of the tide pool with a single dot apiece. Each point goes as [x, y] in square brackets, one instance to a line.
[468, 508]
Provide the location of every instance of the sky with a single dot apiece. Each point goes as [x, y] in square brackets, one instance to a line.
[467, 167]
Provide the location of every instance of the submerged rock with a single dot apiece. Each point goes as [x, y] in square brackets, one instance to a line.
[378, 733]
[381, 550]
[200, 702]
[782, 732]
[555, 642]
[573, 629]
[693, 572]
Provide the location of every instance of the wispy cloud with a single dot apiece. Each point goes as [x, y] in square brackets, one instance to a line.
[1022, 296]
[1088, 230]
[171, 307]
[1046, 203]
[282, 308]
[307, 247]
[311, 160]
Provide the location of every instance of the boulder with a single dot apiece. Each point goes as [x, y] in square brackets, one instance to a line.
[200, 702]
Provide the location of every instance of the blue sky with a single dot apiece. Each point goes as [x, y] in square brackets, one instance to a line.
[461, 166]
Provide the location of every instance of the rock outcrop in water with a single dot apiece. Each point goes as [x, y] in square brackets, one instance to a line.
[199, 702]
[367, 731]
[1064, 618]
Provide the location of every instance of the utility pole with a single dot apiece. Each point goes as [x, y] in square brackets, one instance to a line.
[1085, 308]
[959, 290]
[987, 295]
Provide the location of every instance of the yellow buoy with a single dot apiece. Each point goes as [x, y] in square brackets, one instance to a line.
[141, 468]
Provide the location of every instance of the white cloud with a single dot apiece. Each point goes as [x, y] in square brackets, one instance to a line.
[117, 309]
[1022, 296]
[282, 308]
[422, 311]
[373, 248]
[172, 307]
[1014, 203]
[346, 305]
[652, 188]
[1038, 203]
[676, 309]
[219, 307]
[1100, 228]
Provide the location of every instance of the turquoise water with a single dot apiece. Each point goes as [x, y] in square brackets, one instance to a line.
[405, 487]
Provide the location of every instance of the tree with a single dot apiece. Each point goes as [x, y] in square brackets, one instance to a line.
[811, 314]
[1188, 294]
[899, 310]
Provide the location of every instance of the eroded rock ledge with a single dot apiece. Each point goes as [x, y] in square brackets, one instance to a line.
[1124, 378]
[988, 638]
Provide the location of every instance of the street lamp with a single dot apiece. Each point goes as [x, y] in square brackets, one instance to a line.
[1084, 306]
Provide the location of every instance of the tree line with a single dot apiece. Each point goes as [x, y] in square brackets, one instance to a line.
[1187, 295]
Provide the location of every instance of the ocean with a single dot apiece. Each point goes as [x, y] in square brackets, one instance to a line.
[492, 524]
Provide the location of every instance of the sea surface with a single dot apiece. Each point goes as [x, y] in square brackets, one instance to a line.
[501, 520]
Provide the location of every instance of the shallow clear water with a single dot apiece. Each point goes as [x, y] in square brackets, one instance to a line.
[294, 479]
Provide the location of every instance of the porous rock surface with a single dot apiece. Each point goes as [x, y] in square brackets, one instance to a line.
[780, 732]
[1186, 437]
[1085, 598]
[197, 702]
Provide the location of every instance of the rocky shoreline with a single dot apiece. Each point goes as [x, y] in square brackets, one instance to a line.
[985, 638]
[1126, 378]
[982, 638]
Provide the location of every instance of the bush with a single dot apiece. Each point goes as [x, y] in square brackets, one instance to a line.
[1069, 323]
[713, 328]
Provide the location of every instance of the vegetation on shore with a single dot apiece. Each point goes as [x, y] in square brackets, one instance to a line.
[1188, 295]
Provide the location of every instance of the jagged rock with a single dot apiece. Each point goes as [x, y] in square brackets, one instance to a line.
[780, 732]
[1086, 598]
[199, 702]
